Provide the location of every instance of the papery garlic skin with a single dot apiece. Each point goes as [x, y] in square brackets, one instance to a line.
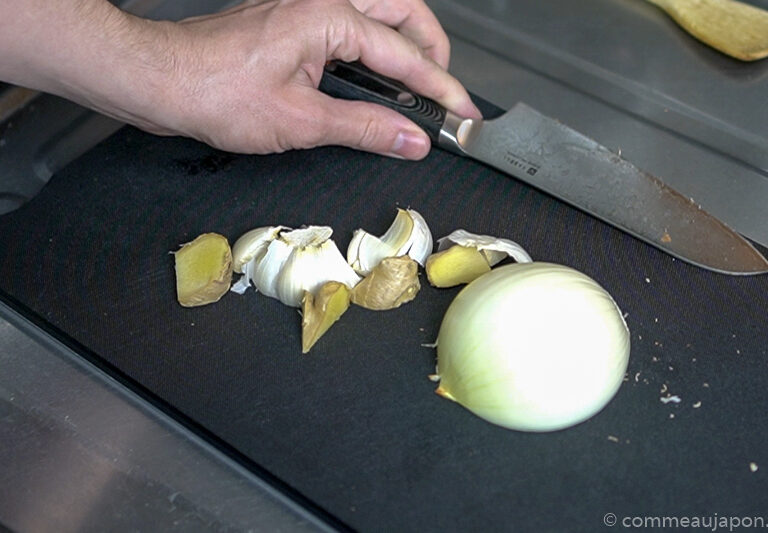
[408, 234]
[252, 245]
[495, 249]
[248, 251]
[532, 347]
[420, 244]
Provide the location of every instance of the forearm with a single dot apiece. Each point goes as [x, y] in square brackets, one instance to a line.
[243, 80]
[87, 51]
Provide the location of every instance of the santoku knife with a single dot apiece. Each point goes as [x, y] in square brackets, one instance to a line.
[566, 164]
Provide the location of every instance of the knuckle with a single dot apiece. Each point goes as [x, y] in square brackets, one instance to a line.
[370, 134]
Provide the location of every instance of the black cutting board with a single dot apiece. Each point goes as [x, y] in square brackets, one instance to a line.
[355, 427]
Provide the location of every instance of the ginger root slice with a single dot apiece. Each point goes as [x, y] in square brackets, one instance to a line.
[393, 282]
[320, 312]
[203, 270]
[456, 265]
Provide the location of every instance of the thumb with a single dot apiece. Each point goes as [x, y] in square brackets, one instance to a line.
[372, 128]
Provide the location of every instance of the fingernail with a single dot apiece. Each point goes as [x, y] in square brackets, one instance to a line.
[410, 144]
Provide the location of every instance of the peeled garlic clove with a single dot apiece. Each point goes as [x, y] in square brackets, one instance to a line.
[252, 245]
[392, 283]
[495, 249]
[456, 265]
[203, 270]
[321, 311]
[408, 234]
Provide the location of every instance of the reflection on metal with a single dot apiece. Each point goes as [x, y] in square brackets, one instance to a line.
[81, 453]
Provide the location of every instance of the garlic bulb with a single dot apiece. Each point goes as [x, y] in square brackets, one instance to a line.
[292, 262]
[408, 235]
[532, 347]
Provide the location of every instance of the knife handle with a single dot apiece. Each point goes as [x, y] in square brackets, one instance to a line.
[353, 81]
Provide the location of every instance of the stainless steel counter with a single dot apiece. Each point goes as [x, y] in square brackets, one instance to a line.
[79, 452]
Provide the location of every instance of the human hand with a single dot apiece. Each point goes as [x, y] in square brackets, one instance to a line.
[245, 80]
[414, 20]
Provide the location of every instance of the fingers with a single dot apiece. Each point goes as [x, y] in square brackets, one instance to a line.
[367, 127]
[387, 52]
[245, 4]
[413, 19]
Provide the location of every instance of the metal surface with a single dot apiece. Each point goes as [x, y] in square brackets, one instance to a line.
[552, 157]
[623, 73]
[81, 453]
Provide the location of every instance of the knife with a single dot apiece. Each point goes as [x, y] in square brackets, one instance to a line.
[550, 156]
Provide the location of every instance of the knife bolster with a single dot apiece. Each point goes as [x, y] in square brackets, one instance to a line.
[454, 133]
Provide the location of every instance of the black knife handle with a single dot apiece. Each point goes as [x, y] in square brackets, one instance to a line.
[353, 81]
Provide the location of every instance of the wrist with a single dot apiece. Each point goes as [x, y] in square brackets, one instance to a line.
[88, 51]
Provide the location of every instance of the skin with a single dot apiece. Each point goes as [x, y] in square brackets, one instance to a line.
[243, 80]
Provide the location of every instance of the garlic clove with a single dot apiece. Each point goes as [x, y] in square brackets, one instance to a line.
[365, 251]
[408, 234]
[495, 249]
[308, 268]
[334, 266]
[420, 244]
[399, 233]
[252, 245]
[268, 268]
[456, 265]
[393, 282]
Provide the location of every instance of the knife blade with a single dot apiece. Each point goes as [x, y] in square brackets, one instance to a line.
[566, 164]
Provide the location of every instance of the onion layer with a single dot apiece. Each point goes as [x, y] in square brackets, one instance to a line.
[532, 347]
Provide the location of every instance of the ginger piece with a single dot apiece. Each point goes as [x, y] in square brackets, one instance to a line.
[203, 270]
[456, 265]
[320, 312]
[393, 282]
